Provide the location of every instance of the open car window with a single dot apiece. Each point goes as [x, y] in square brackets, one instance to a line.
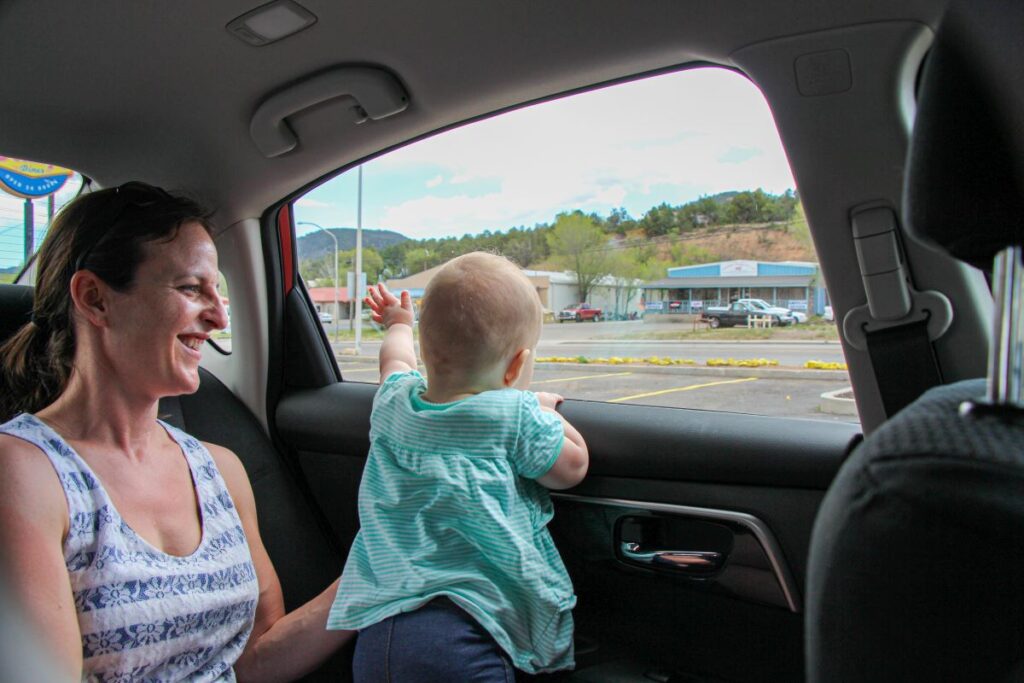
[658, 220]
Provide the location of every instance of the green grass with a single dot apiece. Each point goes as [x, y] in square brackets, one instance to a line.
[820, 331]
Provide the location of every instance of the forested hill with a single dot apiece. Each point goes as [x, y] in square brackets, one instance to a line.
[317, 244]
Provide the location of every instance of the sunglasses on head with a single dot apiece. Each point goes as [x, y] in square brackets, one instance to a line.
[130, 195]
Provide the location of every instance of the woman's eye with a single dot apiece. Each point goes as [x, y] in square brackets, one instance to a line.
[191, 289]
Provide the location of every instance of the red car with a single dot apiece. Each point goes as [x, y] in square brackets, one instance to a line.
[579, 312]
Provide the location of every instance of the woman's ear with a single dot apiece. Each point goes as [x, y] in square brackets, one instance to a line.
[515, 367]
[89, 295]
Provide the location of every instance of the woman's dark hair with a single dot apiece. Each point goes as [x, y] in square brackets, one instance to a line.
[103, 232]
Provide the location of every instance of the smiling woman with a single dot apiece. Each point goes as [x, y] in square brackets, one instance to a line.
[101, 524]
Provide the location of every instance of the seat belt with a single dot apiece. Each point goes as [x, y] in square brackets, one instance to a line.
[904, 362]
[897, 325]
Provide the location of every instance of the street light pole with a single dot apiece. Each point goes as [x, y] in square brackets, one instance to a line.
[337, 313]
[359, 262]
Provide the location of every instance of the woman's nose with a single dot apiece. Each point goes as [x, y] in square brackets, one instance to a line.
[217, 314]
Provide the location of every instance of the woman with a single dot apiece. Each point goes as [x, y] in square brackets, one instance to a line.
[134, 547]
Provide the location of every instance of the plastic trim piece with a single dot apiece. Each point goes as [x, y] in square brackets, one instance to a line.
[929, 305]
[377, 95]
[756, 527]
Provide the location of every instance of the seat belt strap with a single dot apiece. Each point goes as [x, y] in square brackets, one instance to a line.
[904, 362]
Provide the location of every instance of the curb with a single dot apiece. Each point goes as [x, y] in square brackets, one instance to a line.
[839, 402]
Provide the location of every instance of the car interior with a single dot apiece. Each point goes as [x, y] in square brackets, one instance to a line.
[901, 562]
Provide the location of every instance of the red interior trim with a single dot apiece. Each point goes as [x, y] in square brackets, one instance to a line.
[284, 232]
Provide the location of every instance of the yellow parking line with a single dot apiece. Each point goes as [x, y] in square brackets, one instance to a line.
[347, 370]
[573, 379]
[689, 388]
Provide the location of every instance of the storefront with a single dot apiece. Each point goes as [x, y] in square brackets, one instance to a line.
[795, 285]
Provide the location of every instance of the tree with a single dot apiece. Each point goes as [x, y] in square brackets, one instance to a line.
[659, 220]
[627, 273]
[579, 245]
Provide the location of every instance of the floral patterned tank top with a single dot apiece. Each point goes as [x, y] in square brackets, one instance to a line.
[146, 615]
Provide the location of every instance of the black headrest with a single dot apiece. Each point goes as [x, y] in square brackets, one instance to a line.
[964, 188]
[15, 309]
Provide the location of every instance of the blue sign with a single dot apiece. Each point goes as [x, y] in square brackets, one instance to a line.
[31, 180]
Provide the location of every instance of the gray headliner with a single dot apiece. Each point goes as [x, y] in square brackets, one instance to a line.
[161, 92]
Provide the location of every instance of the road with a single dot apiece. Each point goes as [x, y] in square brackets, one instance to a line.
[596, 340]
[787, 391]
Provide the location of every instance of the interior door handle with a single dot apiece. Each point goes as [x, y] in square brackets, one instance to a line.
[694, 562]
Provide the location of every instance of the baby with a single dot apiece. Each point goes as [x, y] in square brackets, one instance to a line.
[453, 574]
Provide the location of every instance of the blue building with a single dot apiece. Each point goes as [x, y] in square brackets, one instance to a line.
[796, 285]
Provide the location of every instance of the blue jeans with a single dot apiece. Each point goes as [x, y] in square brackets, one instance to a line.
[437, 643]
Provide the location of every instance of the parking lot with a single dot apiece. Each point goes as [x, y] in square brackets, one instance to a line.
[786, 390]
[761, 391]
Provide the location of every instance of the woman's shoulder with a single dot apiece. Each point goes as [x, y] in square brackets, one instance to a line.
[28, 481]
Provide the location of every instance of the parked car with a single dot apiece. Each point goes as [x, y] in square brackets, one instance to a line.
[161, 92]
[579, 313]
[325, 317]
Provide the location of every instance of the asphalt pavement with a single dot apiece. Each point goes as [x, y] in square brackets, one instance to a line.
[786, 390]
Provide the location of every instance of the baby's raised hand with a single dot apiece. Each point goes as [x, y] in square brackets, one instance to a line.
[547, 400]
[386, 308]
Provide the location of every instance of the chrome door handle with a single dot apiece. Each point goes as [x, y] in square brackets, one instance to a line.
[695, 562]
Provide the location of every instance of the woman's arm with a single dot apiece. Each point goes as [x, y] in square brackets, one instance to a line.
[282, 646]
[33, 525]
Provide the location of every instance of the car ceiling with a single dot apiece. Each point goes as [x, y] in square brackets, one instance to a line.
[160, 91]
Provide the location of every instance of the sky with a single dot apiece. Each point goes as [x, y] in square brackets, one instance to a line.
[670, 138]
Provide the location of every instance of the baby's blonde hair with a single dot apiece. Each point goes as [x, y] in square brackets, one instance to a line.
[477, 311]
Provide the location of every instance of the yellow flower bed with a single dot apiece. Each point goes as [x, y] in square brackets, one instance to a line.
[822, 365]
[617, 360]
[741, 363]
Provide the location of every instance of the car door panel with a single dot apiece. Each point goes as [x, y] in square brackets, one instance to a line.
[746, 487]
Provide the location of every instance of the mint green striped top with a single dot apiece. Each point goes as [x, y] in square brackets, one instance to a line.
[448, 506]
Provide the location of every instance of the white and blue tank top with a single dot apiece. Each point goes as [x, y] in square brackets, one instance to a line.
[146, 615]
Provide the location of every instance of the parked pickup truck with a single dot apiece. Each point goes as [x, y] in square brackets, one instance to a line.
[579, 312]
[739, 312]
[766, 307]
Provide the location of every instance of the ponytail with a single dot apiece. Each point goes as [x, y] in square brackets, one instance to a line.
[35, 365]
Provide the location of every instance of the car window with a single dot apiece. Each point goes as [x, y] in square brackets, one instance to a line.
[31, 193]
[658, 221]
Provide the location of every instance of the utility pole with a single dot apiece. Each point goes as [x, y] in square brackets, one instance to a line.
[359, 262]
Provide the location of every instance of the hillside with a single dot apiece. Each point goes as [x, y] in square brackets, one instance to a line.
[758, 243]
[316, 244]
[773, 242]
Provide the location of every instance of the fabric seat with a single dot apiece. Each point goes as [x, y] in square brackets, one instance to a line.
[302, 552]
[916, 567]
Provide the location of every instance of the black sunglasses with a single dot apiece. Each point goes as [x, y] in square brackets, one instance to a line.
[130, 195]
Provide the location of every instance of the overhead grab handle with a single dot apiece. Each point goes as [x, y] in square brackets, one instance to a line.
[377, 95]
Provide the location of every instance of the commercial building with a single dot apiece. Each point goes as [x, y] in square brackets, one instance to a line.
[796, 285]
[556, 290]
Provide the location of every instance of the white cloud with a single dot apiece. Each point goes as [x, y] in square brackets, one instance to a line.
[677, 134]
[435, 181]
